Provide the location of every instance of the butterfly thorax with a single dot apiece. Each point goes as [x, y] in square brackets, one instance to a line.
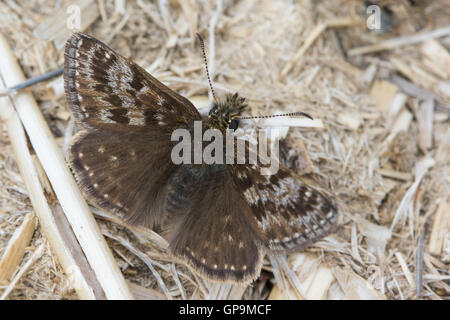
[221, 116]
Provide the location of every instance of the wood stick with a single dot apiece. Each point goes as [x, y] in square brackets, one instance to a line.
[440, 231]
[414, 90]
[78, 214]
[425, 116]
[83, 286]
[399, 42]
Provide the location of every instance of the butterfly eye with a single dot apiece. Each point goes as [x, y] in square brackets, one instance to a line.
[233, 124]
[213, 109]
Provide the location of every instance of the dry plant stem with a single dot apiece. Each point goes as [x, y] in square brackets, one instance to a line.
[80, 274]
[237, 292]
[16, 247]
[291, 276]
[313, 35]
[224, 291]
[149, 262]
[173, 271]
[47, 219]
[419, 266]
[64, 186]
[400, 41]
[413, 90]
[309, 278]
[142, 293]
[277, 273]
[425, 116]
[441, 226]
[408, 275]
[36, 255]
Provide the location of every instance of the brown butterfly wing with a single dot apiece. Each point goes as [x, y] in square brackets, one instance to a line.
[120, 173]
[207, 228]
[288, 212]
[122, 160]
[107, 91]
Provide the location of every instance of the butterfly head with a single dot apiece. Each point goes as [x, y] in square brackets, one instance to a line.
[223, 113]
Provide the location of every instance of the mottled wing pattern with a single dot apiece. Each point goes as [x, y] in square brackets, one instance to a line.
[122, 159]
[288, 213]
[108, 91]
[217, 217]
[117, 171]
[207, 226]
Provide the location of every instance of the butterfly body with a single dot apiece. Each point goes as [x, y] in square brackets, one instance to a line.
[220, 219]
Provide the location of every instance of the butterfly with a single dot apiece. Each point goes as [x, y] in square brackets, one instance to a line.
[221, 219]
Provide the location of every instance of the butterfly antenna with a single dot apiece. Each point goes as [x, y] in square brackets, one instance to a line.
[202, 44]
[276, 115]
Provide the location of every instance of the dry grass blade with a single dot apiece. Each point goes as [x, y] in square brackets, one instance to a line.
[400, 41]
[36, 255]
[149, 262]
[173, 270]
[419, 267]
[16, 247]
[440, 233]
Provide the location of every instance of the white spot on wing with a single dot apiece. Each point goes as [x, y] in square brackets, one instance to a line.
[105, 115]
[136, 117]
[143, 90]
[160, 101]
[268, 220]
[330, 214]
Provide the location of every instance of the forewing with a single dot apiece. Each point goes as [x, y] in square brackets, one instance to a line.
[208, 230]
[288, 212]
[108, 91]
[119, 172]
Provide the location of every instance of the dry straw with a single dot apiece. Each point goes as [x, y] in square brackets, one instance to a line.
[380, 145]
